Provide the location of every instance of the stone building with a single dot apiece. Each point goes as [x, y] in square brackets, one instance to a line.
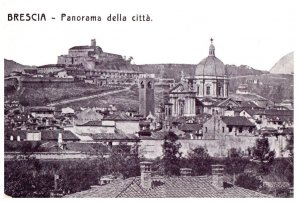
[210, 81]
[90, 57]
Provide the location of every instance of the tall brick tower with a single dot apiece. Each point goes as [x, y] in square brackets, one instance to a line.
[146, 94]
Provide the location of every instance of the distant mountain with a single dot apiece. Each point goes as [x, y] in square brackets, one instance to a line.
[10, 66]
[285, 65]
[242, 70]
[174, 70]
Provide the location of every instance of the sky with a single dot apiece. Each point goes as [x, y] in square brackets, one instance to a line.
[255, 33]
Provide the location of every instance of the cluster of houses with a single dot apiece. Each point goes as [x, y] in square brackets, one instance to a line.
[199, 111]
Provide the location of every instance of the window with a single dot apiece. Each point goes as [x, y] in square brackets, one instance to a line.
[223, 129]
[250, 130]
[149, 84]
[208, 90]
[240, 129]
[230, 128]
[206, 129]
[142, 84]
[219, 90]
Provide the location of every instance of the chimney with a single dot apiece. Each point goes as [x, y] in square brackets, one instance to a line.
[59, 140]
[185, 171]
[217, 176]
[146, 180]
[56, 178]
[93, 42]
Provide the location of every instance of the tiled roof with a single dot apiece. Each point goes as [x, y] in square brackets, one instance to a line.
[53, 135]
[92, 123]
[45, 134]
[81, 47]
[86, 147]
[237, 121]
[190, 127]
[171, 187]
[248, 104]
[112, 136]
[42, 109]
[120, 117]
[279, 112]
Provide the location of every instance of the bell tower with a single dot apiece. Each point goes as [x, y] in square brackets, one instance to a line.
[146, 94]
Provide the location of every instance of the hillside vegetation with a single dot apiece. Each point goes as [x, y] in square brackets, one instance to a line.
[38, 95]
[10, 66]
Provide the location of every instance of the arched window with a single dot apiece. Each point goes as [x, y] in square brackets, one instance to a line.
[142, 84]
[208, 90]
[149, 84]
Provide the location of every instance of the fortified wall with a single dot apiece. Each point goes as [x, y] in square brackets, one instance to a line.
[215, 147]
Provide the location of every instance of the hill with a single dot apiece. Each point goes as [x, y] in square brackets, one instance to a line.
[275, 87]
[10, 66]
[174, 70]
[285, 65]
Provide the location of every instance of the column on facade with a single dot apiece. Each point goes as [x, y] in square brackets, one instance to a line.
[201, 93]
[193, 111]
[186, 106]
[225, 89]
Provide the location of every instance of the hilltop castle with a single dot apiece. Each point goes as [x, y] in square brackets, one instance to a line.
[91, 57]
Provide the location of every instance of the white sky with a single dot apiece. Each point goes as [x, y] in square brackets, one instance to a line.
[256, 33]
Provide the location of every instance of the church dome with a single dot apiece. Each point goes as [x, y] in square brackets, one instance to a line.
[211, 65]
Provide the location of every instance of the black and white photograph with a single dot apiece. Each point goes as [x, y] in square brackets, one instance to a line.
[148, 99]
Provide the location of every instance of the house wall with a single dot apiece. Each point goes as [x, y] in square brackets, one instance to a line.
[216, 126]
[43, 115]
[94, 129]
[128, 127]
[108, 122]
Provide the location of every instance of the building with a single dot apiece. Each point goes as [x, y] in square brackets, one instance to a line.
[88, 115]
[227, 125]
[210, 81]
[50, 68]
[149, 185]
[146, 94]
[242, 89]
[90, 57]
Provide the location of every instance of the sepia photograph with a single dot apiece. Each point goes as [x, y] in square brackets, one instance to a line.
[146, 99]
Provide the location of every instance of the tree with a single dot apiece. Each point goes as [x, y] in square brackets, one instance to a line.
[199, 161]
[289, 172]
[248, 181]
[262, 154]
[171, 155]
[235, 163]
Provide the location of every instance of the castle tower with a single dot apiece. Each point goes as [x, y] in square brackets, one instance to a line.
[146, 94]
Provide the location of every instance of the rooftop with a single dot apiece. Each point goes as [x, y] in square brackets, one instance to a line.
[237, 121]
[178, 187]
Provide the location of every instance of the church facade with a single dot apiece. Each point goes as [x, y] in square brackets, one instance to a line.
[203, 92]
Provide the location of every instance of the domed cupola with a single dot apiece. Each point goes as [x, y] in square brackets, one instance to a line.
[211, 65]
